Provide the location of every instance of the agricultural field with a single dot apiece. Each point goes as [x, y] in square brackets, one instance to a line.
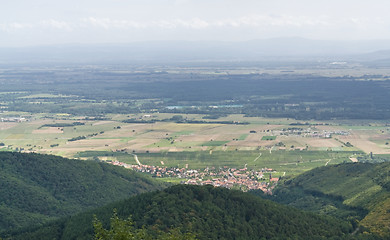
[282, 162]
[287, 146]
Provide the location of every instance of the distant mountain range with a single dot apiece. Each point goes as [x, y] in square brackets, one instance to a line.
[280, 49]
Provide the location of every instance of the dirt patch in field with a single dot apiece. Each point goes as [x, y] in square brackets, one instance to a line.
[353, 159]
[154, 135]
[329, 128]
[7, 125]
[318, 142]
[248, 144]
[140, 144]
[90, 145]
[368, 147]
[220, 129]
[82, 145]
[16, 136]
[52, 130]
[127, 131]
[101, 123]
[382, 137]
[253, 138]
[199, 138]
[173, 150]
[362, 142]
[264, 128]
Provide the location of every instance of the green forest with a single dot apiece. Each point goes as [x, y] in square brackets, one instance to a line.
[36, 188]
[206, 212]
[100, 92]
[49, 197]
[357, 192]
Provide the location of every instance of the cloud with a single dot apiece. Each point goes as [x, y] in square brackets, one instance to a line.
[194, 23]
[273, 21]
[248, 26]
[20, 27]
[198, 23]
[249, 21]
[61, 25]
[15, 26]
[108, 23]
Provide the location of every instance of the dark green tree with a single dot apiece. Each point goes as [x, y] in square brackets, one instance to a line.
[124, 230]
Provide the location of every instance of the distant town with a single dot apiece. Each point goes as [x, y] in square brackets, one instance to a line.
[308, 132]
[231, 178]
[13, 119]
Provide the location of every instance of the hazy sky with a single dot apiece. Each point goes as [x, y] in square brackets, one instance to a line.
[40, 22]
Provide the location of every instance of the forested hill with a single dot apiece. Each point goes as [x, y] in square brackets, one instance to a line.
[36, 188]
[354, 191]
[207, 212]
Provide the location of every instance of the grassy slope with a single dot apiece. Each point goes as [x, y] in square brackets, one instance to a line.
[358, 191]
[37, 188]
[210, 213]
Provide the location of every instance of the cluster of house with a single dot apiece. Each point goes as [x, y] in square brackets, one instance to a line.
[309, 132]
[243, 179]
[13, 119]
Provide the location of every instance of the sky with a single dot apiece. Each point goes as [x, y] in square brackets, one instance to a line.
[48, 22]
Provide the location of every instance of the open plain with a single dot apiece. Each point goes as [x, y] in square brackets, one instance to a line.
[287, 146]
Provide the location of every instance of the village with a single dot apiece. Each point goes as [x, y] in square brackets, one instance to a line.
[231, 178]
[309, 132]
[13, 119]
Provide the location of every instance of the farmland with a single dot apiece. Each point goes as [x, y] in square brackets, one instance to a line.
[285, 145]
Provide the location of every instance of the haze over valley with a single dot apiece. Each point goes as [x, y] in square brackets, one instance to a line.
[194, 120]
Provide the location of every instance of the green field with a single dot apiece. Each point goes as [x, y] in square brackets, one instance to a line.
[284, 162]
[268, 138]
[214, 143]
[4, 149]
[177, 134]
[242, 137]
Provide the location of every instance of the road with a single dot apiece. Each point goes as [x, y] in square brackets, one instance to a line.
[136, 159]
[326, 164]
[353, 159]
[257, 157]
